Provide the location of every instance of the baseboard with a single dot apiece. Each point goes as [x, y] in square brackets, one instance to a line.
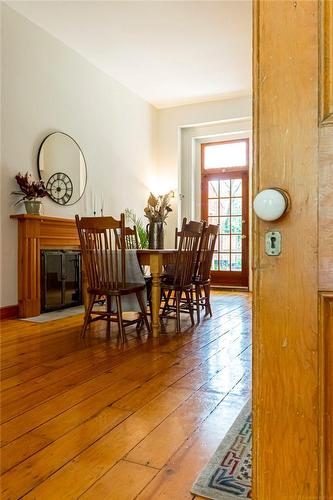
[230, 288]
[9, 312]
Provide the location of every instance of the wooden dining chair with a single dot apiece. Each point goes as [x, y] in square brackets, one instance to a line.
[181, 281]
[105, 266]
[201, 280]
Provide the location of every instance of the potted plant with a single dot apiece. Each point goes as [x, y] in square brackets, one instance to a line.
[156, 211]
[131, 218]
[32, 192]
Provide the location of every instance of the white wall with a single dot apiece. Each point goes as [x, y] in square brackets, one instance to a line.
[48, 87]
[170, 123]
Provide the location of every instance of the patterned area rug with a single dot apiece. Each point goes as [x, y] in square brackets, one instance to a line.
[228, 473]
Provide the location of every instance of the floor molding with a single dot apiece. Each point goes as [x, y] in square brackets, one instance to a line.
[9, 312]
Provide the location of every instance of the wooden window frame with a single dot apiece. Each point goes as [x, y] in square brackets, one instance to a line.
[220, 170]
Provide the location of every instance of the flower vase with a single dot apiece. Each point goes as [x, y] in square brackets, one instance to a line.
[155, 232]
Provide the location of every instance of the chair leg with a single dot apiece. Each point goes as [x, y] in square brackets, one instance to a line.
[190, 305]
[166, 303]
[207, 300]
[108, 309]
[143, 311]
[178, 294]
[120, 318]
[200, 297]
[148, 289]
[197, 301]
[87, 314]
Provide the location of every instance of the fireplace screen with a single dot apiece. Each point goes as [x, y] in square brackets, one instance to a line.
[60, 279]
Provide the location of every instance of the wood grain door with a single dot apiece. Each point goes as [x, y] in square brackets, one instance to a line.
[292, 357]
[224, 201]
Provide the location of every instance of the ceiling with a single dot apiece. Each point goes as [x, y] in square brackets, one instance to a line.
[168, 52]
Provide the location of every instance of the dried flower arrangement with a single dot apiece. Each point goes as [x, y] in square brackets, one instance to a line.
[32, 190]
[158, 207]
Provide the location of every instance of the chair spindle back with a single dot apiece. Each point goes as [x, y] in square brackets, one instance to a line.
[131, 238]
[206, 251]
[187, 252]
[177, 236]
[103, 259]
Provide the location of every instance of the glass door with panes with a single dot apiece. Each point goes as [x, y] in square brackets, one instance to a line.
[224, 201]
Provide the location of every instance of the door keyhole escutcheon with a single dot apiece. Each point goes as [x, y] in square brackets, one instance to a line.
[273, 243]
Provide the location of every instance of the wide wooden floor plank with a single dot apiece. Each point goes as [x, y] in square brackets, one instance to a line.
[94, 419]
[178, 475]
[124, 481]
[39, 466]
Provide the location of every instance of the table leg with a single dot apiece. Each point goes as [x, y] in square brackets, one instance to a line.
[156, 271]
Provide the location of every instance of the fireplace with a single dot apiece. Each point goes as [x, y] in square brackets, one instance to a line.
[37, 234]
[60, 279]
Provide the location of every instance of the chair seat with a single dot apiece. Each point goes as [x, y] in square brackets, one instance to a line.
[168, 284]
[123, 290]
[197, 280]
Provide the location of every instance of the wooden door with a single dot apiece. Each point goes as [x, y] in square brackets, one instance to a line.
[225, 201]
[292, 359]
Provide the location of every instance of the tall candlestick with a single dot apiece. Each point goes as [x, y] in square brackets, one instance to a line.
[94, 204]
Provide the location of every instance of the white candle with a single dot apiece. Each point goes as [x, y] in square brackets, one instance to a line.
[102, 203]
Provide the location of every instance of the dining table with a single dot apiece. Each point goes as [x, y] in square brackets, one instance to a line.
[156, 259]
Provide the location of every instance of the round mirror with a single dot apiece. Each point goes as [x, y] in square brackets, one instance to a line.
[62, 167]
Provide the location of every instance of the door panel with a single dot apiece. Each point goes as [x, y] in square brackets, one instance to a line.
[285, 368]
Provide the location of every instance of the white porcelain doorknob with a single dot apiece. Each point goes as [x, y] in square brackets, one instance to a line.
[270, 204]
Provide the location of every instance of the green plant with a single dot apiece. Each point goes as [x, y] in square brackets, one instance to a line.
[131, 218]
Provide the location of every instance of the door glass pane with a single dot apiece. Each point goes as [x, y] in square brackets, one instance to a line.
[236, 187]
[236, 225]
[236, 243]
[225, 188]
[215, 262]
[213, 189]
[225, 243]
[213, 207]
[226, 154]
[224, 261]
[236, 206]
[236, 261]
[225, 206]
[225, 225]
[213, 220]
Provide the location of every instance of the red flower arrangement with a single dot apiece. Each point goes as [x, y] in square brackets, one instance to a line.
[31, 190]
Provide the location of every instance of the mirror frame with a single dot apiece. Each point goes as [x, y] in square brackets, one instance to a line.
[85, 163]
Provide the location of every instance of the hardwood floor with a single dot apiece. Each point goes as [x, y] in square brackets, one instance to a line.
[90, 418]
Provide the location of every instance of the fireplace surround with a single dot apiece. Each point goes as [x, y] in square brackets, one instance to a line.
[35, 234]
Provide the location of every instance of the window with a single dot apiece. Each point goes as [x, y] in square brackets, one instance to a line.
[225, 154]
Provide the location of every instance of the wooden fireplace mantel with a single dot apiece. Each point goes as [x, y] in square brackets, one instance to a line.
[37, 232]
